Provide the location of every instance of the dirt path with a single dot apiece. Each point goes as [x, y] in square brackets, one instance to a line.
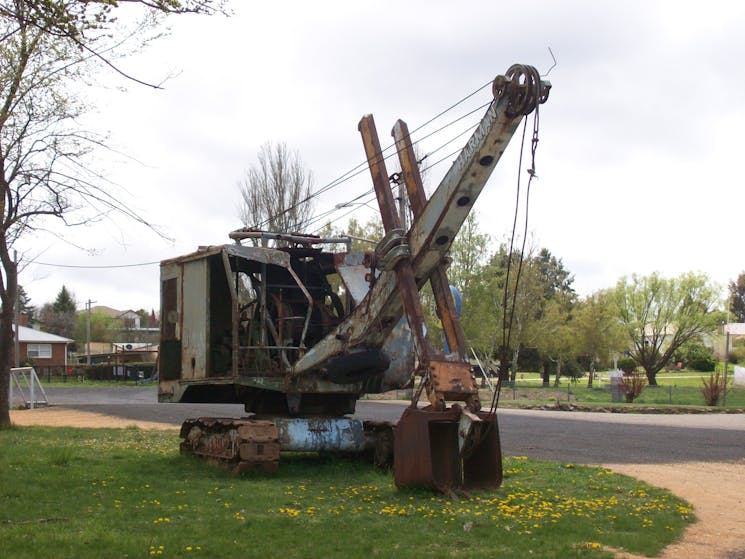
[65, 417]
[717, 492]
[715, 489]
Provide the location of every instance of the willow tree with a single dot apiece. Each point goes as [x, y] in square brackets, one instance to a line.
[659, 315]
[48, 49]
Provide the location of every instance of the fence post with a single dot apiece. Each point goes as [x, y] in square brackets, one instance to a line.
[33, 389]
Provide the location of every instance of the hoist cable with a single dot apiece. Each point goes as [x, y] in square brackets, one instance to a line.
[359, 168]
[507, 325]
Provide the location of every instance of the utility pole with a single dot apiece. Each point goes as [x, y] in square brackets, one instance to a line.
[726, 362]
[88, 332]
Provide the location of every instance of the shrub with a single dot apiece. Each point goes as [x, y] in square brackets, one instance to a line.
[627, 365]
[698, 357]
[572, 370]
[632, 384]
[108, 371]
[713, 388]
[737, 355]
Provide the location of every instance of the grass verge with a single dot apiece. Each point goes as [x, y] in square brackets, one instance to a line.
[128, 493]
[674, 389]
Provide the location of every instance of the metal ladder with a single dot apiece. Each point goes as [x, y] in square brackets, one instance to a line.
[26, 378]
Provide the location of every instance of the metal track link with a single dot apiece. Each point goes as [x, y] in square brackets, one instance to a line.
[238, 445]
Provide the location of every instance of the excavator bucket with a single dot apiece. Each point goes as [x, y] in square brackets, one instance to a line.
[447, 450]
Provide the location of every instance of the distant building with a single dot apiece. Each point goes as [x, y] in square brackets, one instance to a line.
[735, 329]
[130, 325]
[131, 320]
[44, 350]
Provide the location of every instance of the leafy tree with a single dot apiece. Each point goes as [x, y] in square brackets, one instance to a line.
[521, 294]
[553, 337]
[555, 340]
[65, 302]
[60, 317]
[276, 192]
[554, 277]
[627, 364]
[489, 290]
[24, 305]
[596, 331]
[737, 298]
[468, 252]
[364, 236]
[659, 315]
[47, 49]
[695, 355]
[103, 326]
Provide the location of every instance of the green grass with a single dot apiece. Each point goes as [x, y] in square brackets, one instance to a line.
[73, 382]
[677, 389]
[128, 493]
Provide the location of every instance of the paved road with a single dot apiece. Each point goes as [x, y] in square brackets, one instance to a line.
[587, 438]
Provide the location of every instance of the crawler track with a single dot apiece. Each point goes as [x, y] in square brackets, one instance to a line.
[238, 445]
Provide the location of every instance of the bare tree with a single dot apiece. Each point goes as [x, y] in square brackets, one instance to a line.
[47, 50]
[277, 191]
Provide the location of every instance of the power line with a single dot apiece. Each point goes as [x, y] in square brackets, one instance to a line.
[51, 265]
[354, 201]
[359, 168]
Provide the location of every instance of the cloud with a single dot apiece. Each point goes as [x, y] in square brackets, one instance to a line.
[639, 140]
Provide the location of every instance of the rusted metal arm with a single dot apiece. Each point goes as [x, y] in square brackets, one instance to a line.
[407, 286]
[438, 280]
[433, 231]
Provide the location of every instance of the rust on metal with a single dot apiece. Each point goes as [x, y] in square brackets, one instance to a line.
[452, 381]
[427, 452]
[438, 280]
[238, 445]
[298, 332]
[407, 287]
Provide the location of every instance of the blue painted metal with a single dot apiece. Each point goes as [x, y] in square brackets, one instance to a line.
[458, 300]
[300, 434]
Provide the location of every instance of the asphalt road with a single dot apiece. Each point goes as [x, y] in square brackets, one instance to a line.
[580, 437]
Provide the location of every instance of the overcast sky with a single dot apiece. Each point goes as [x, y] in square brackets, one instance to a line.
[637, 160]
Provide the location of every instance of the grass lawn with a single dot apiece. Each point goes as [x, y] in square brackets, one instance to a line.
[96, 493]
[677, 388]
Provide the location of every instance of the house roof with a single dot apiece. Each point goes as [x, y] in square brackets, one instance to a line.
[29, 335]
[106, 310]
[735, 328]
[128, 314]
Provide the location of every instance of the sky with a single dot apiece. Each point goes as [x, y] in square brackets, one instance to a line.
[636, 161]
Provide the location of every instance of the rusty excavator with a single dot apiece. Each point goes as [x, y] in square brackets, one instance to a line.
[298, 333]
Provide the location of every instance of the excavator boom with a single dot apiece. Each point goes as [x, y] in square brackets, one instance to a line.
[433, 231]
[266, 326]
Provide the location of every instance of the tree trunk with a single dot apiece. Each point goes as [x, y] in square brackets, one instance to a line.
[7, 347]
[4, 383]
[513, 373]
[546, 374]
[651, 377]
[558, 373]
[591, 374]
